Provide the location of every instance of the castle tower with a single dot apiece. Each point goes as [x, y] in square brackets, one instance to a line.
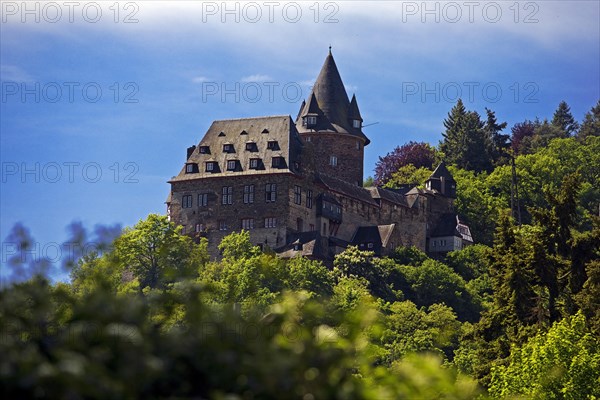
[334, 125]
[441, 180]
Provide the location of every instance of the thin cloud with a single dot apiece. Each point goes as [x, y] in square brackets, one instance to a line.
[14, 73]
[200, 79]
[257, 78]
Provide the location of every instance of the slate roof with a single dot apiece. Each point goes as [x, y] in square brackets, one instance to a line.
[310, 243]
[378, 235]
[441, 171]
[238, 132]
[345, 188]
[329, 101]
[451, 225]
[353, 111]
[388, 195]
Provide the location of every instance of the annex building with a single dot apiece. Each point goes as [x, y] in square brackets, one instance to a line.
[296, 185]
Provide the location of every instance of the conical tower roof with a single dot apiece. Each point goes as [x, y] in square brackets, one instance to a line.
[329, 101]
[353, 111]
[441, 171]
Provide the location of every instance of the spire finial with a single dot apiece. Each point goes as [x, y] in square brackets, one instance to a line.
[329, 49]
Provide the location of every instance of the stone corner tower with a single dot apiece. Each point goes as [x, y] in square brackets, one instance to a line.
[333, 124]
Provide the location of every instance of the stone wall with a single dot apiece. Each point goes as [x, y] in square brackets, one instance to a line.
[217, 220]
[348, 149]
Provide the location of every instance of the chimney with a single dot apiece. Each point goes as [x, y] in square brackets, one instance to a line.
[190, 150]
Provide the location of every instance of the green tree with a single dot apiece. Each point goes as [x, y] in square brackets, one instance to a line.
[309, 275]
[155, 252]
[464, 143]
[172, 344]
[412, 329]
[477, 203]
[591, 123]
[409, 256]
[408, 174]
[588, 298]
[563, 120]
[563, 363]
[433, 282]
[353, 262]
[496, 142]
[237, 245]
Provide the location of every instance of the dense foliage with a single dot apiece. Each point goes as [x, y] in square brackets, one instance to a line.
[148, 314]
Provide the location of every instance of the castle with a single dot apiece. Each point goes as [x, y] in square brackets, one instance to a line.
[296, 185]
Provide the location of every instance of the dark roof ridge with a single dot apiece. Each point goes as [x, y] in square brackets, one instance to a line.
[245, 118]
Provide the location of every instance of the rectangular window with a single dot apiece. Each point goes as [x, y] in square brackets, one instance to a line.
[311, 227]
[254, 162]
[248, 223]
[204, 150]
[248, 194]
[276, 162]
[309, 199]
[333, 161]
[311, 121]
[272, 145]
[251, 146]
[231, 164]
[203, 200]
[222, 225]
[199, 227]
[356, 123]
[189, 168]
[228, 148]
[271, 192]
[297, 194]
[227, 195]
[210, 166]
[270, 222]
[186, 201]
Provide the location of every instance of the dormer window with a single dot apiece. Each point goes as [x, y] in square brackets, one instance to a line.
[251, 146]
[309, 121]
[254, 163]
[228, 148]
[191, 168]
[272, 145]
[211, 166]
[204, 150]
[232, 165]
[278, 162]
[356, 123]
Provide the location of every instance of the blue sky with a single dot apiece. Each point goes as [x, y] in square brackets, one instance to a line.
[101, 99]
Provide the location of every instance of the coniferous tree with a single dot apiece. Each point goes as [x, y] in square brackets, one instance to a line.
[464, 143]
[497, 143]
[563, 120]
[591, 123]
